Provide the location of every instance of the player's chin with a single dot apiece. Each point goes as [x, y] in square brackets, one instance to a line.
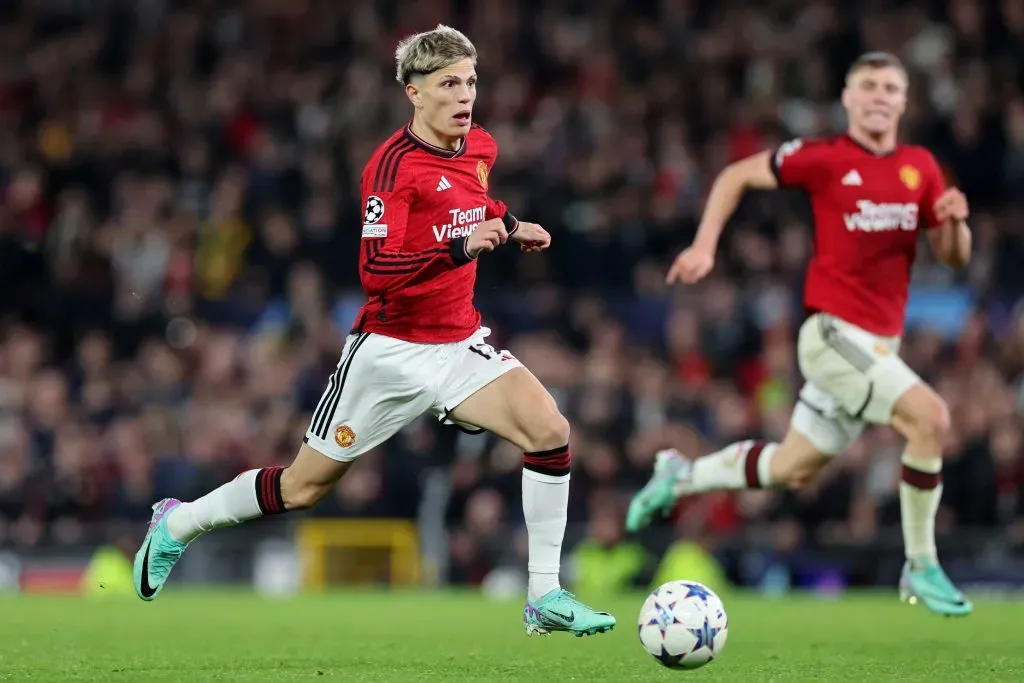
[878, 125]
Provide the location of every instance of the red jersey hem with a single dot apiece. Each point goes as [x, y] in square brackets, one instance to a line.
[449, 336]
[866, 325]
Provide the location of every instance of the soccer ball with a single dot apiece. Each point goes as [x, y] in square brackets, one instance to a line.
[683, 625]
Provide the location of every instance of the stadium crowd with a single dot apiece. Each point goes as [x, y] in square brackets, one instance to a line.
[179, 224]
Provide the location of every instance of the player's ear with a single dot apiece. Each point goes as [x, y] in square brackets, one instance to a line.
[414, 95]
[846, 96]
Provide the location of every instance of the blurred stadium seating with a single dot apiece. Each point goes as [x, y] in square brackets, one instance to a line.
[178, 233]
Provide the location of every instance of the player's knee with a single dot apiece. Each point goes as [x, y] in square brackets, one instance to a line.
[549, 431]
[298, 494]
[931, 422]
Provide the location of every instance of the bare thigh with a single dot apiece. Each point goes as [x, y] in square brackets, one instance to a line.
[517, 408]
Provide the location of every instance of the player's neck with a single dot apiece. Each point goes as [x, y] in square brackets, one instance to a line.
[431, 137]
[879, 144]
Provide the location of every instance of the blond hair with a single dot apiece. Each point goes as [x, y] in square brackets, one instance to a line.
[877, 60]
[425, 53]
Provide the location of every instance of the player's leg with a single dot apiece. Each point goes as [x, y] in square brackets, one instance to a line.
[491, 390]
[921, 416]
[817, 433]
[369, 397]
[259, 492]
[923, 419]
[874, 385]
[252, 494]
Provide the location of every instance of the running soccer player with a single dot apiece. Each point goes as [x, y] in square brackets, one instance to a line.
[869, 195]
[417, 345]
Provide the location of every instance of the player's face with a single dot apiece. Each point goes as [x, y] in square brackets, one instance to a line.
[875, 99]
[445, 98]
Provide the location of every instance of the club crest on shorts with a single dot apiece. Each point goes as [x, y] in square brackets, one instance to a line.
[344, 436]
[481, 173]
[910, 177]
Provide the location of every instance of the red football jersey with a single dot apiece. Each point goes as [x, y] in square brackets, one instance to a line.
[867, 208]
[420, 203]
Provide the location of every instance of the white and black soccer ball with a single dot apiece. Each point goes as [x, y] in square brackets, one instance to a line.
[683, 625]
[374, 209]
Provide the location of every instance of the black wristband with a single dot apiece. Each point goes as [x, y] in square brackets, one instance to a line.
[511, 223]
[460, 256]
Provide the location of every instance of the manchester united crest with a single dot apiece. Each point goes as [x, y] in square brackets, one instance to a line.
[481, 173]
[344, 436]
[910, 177]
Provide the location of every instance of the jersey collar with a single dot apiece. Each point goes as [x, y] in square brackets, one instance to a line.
[850, 139]
[434, 149]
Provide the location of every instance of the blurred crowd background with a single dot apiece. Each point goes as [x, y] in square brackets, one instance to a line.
[179, 220]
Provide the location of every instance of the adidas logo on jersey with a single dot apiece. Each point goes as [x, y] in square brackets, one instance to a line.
[852, 179]
[443, 184]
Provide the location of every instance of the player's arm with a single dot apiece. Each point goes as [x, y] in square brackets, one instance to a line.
[497, 209]
[752, 173]
[530, 236]
[951, 242]
[946, 211]
[794, 164]
[384, 265]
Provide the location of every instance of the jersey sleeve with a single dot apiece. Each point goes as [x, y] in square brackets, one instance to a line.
[801, 164]
[934, 185]
[384, 265]
[497, 209]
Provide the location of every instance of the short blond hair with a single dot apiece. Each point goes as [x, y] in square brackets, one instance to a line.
[877, 60]
[426, 52]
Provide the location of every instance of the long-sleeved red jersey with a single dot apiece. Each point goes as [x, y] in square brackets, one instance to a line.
[420, 203]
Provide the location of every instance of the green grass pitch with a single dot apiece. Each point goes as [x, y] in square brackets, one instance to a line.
[194, 637]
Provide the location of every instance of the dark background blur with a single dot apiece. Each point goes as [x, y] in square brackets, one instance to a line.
[178, 245]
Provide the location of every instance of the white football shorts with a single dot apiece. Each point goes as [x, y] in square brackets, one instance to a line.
[854, 378]
[382, 384]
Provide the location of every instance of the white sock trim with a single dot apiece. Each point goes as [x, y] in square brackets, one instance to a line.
[545, 478]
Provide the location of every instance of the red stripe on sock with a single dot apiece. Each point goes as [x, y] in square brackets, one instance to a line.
[555, 462]
[558, 462]
[268, 490]
[750, 465]
[921, 480]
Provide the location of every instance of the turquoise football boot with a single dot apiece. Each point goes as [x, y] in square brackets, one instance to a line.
[559, 610]
[925, 582]
[158, 554]
[659, 495]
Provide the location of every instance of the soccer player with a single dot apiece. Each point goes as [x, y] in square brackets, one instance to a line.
[869, 195]
[417, 345]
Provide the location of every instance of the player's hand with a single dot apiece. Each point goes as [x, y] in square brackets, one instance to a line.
[487, 237]
[531, 237]
[691, 265]
[952, 206]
